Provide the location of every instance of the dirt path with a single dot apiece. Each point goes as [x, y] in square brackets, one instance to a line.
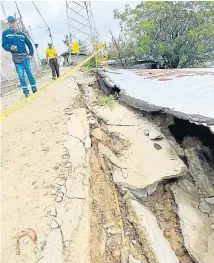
[31, 151]
[16, 95]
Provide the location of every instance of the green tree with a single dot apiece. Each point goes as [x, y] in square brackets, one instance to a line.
[178, 34]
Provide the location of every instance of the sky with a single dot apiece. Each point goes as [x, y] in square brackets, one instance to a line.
[54, 12]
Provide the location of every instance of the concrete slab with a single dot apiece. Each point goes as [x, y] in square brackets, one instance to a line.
[156, 246]
[144, 165]
[196, 227]
[77, 126]
[53, 250]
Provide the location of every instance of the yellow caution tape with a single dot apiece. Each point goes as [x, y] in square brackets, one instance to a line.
[121, 226]
[35, 95]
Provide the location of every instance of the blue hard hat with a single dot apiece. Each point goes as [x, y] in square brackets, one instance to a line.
[11, 18]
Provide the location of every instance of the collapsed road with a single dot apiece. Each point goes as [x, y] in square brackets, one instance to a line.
[186, 94]
[104, 182]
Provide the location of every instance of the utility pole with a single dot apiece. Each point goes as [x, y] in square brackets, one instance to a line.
[31, 35]
[117, 47]
[69, 34]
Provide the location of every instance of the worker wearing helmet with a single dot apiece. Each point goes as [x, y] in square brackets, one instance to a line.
[52, 59]
[15, 42]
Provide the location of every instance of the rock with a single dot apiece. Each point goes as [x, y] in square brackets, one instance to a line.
[151, 189]
[155, 135]
[179, 252]
[68, 165]
[87, 143]
[128, 195]
[54, 224]
[212, 226]
[200, 171]
[157, 247]
[157, 146]
[134, 242]
[58, 199]
[53, 191]
[140, 193]
[98, 134]
[26, 241]
[92, 122]
[108, 225]
[133, 260]
[194, 225]
[210, 200]
[116, 254]
[110, 155]
[190, 142]
[113, 231]
[61, 182]
[146, 133]
[204, 207]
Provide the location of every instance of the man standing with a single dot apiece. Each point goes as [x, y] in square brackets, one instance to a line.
[52, 59]
[15, 42]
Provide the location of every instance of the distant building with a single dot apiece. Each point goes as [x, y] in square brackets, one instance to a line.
[74, 58]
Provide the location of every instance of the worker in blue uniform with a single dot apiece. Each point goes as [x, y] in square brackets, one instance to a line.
[15, 42]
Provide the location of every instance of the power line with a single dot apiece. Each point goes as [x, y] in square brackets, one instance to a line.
[3, 9]
[40, 13]
[49, 30]
[20, 18]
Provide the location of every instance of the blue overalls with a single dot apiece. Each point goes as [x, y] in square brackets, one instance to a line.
[19, 39]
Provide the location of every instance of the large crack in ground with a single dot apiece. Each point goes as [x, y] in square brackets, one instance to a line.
[107, 243]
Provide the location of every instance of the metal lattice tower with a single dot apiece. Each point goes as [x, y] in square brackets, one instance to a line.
[81, 25]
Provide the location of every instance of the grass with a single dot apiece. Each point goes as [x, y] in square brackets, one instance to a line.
[107, 101]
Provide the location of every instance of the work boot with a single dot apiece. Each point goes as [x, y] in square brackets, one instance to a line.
[34, 88]
[26, 95]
